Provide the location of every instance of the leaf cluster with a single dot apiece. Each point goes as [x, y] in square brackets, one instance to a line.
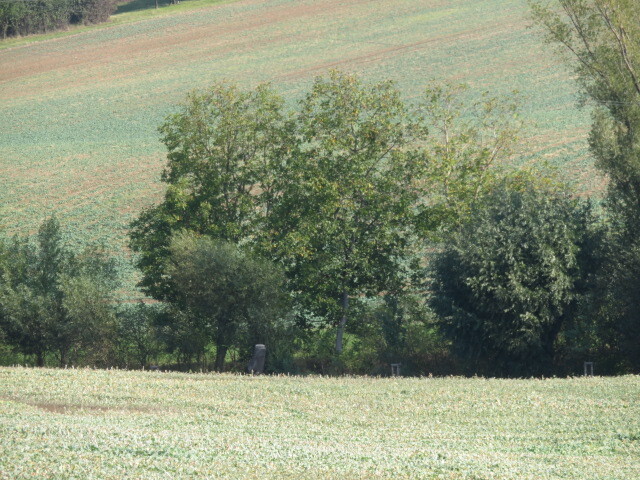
[512, 277]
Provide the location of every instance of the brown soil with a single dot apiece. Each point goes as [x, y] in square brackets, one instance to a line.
[215, 35]
[67, 408]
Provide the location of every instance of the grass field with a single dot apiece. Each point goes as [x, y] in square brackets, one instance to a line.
[83, 424]
[81, 109]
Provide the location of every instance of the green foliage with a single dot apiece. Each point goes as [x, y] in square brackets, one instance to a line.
[344, 221]
[224, 148]
[602, 40]
[137, 333]
[513, 276]
[52, 300]
[337, 193]
[18, 17]
[230, 296]
[381, 330]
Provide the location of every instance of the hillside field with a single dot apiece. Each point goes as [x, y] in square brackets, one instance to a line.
[86, 424]
[80, 111]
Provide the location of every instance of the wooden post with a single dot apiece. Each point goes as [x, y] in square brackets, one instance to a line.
[588, 369]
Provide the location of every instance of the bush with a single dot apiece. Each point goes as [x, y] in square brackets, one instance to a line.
[29, 17]
[514, 276]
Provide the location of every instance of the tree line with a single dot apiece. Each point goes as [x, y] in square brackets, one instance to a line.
[357, 230]
[26, 17]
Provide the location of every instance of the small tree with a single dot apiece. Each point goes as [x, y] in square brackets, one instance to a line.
[513, 276]
[225, 291]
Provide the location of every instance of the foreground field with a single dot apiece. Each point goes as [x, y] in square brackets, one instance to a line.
[60, 424]
[81, 112]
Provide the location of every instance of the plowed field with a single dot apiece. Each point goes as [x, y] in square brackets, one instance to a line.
[80, 113]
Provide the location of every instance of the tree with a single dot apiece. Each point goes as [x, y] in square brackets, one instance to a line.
[513, 276]
[337, 192]
[602, 40]
[137, 332]
[225, 291]
[463, 143]
[224, 151]
[343, 223]
[53, 300]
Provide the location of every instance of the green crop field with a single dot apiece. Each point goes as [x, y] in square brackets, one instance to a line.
[84, 424]
[81, 109]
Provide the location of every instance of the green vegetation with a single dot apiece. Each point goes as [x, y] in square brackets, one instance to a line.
[338, 192]
[511, 280]
[52, 300]
[19, 17]
[226, 296]
[602, 41]
[104, 425]
[343, 219]
[129, 11]
[225, 150]
[82, 110]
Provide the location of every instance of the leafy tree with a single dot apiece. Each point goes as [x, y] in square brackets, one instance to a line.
[53, 300]
[462, 145]
[343, 223]
[224, 291]
[602, 40]
[224, 151]
[138, 339]
[513, 276]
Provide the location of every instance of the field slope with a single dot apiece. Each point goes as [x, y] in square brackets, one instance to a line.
[87, 424]
[80, 112]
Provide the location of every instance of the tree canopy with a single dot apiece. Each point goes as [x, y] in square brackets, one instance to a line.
[225, 148]
[337, 192]
[601, 39]
[54, 300]
[513, 276]
[228, 295]
[344, 221]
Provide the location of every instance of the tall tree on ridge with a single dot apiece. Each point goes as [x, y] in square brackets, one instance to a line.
[602, 41]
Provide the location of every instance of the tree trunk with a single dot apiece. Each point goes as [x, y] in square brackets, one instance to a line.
[343, 321]
[40, 359]
[221, 353]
